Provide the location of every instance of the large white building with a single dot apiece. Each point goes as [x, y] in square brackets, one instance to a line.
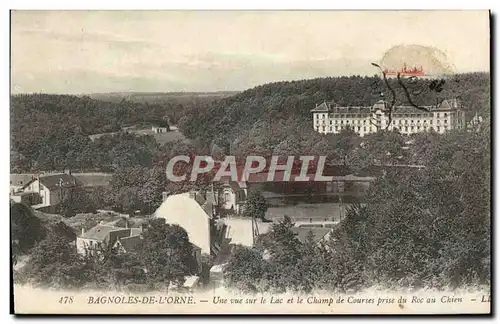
[329, 117]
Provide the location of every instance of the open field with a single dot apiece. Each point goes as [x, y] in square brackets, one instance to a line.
[308, 212]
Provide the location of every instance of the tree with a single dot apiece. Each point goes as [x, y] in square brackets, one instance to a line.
[312, 264]
[55, 263]
[285, 252]
[150, 193]
[256, 204]
[77, 201]
[26, 228]
[385, 147]
[167, 254]
[245, 270]
[346, 142]
[128, 200]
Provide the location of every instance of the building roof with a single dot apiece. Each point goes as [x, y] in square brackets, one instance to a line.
[381, 104]
[234, 185]
[191, 281]
[21, 179]
[218, 268]
[135, 231]
[160, 124]
[84, 179]
[103, 232]
[199, 198]
[130, 243]
[93, 179]
[447, 104]
[211, 198]
[98, 232]
[239, 229]
[59, 180]
[321, 108]
[186, 212]
[318, 233]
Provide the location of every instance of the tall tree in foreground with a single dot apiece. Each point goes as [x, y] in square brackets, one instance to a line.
[55, 263]
[167, 254]
[245, 270]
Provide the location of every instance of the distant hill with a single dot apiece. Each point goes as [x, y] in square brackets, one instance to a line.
[52, 131]
[156, 97]
[224, 121]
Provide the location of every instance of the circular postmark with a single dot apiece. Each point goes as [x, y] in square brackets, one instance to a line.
[416, 60]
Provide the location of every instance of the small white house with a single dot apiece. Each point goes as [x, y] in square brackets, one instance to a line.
[159, 129]
[101, 236]
[51, 189]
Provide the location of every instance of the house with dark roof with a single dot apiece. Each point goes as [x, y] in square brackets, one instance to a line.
[19, 180]
[51, 189]
[102, 236]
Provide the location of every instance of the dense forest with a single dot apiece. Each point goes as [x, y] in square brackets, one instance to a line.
[50, 132]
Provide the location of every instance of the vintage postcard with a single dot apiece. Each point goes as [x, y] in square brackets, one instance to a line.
[250, 162]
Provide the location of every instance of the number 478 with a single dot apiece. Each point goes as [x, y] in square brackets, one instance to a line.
[66, 300]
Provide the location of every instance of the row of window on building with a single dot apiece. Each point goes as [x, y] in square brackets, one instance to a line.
[403, 129]
[394, 115]
[400, 122]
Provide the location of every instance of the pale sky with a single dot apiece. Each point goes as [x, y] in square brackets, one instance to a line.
[119, 51]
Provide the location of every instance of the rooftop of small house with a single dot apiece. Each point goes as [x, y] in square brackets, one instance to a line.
[84, 179]
[160, 124]
[52, 181]
[130, 243]
[331, 106]
[100, 232]
[318, 233]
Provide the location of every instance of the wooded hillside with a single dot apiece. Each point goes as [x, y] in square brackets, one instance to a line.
[291, 102]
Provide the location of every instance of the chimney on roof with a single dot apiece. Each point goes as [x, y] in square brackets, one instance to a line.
[164, 195]
[192, 194]
[83, 230]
